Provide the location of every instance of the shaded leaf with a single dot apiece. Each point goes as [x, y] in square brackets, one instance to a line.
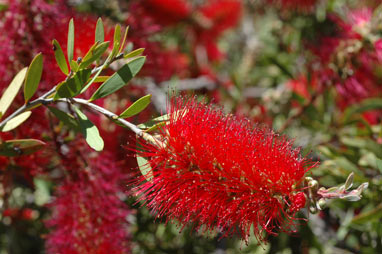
[11, 91]
[16, 121]
[365, 105]
[369, 216]
[119, 79]
[89, 131]
[66, 118]
[33, 77]
[70, 45]
[73, 86]
[379, 164]
[99, 32]
[60, 57]
[136, 107]
[17, 147]
[144, 165]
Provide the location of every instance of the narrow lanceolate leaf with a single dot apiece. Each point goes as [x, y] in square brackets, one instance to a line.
[123, 41]
[33, 77]
[119, 79]
[17, 147]
[16, 121]
[11, 91]
[99, 33]
[93, 55]
[101, 79]
[144, 165]
[117, 40]
[71, 40]
[66, 118]
[60, 57]
[73, 86]
[136, 107]
[134, 53]
[89, 131]
[74, 65]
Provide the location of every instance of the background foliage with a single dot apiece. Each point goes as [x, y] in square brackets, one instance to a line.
[309, 69]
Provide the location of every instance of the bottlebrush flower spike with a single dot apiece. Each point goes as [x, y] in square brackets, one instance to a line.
[217, 172]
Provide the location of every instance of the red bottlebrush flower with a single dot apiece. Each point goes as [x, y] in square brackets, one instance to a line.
[217, 172]
[167, 12]
[88, 217]
[295, 4]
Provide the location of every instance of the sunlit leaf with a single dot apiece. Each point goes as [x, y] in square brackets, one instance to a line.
[136, 107]
[11, 91]
[124, 40]
[93, 55]
[89, 131]
[117, 40]
[66, 118]
[119, 79]
[33, 77]
[17, 147]
[74, 65]
[70, 45]
[60, 57]
[16, 121]
[73, 86]
[134, 53]
[99, 33]
[144, 165]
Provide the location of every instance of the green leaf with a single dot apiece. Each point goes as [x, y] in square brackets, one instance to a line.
[379, 164]
[136, 107]
[144, 165]
[117, 40]
[11, 91]
[134, 53]
[90, 131]
[369, 216]
[73, 86]
[93, 55]
[17, 147]
[365, 105]
[74, 65]
[99, 32]
[33, 77]
[119, 79]
[101, 79]
[66, 118]
[60, 57]
[155, 123]
[16, 121]
[70, 40]
[124, 40]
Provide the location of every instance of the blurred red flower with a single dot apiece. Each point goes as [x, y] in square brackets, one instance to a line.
[217, 172]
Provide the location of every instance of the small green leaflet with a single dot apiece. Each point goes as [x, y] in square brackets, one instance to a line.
[74, 65]
[33, 77]
[11, 91]
[17, 147]
[117, 41]
[89, 131]
[119, 79]
[66, 118]
[144, 165]
[73, 86]
[136, 107]
[134, 53]
[16, 121]
[60, 57]
[99, 33]
[70, 40]
[93, 54]
[123, 41]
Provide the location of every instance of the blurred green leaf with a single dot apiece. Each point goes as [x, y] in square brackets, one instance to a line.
[60, 57]
[379, 164]
[70, 45]
[369, 216]
[365, 143]
[119, 79]
[33, 77]
[99, 33]
[16, 121]
[66, 118]
[136, 107]
[365, 105]
[17, 147]
[90, 131]
[74, 65]
[73, 86]
[42, 193]
[11, 91]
